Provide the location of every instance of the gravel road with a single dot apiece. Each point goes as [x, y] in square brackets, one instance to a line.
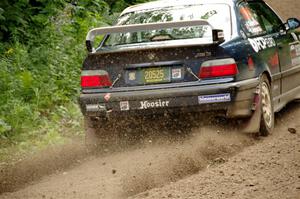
[210, 162]
[268, 169]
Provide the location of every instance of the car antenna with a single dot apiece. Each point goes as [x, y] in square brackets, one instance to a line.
[193, 74]
[116, 80]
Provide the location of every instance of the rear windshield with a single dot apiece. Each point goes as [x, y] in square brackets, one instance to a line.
[218, 15]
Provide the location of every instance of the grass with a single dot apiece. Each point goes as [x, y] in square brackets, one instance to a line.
[64, 125]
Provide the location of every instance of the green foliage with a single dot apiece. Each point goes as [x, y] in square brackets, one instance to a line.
[41, 52]
[24, 19]
[18, 16]
[37, 76]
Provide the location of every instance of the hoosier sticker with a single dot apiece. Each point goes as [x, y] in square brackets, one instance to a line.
[207, 99]
[154, 104]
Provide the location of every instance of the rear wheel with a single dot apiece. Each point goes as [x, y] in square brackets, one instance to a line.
[266, 105]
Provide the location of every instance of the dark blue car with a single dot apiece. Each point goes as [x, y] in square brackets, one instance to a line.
[236, 57]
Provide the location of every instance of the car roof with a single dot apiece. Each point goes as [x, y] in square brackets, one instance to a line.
[168, 3]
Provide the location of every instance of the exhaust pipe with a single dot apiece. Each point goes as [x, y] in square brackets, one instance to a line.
[95, 109]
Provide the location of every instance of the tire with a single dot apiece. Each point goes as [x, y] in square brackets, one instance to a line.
[266, 106]
[93, 132]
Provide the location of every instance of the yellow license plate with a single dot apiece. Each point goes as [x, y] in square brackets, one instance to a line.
[157, 75]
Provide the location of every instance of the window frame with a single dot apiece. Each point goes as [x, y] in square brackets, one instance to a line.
[230, 10]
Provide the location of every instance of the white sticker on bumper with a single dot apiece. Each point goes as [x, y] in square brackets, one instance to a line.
[124, 106]
[207, 99]
[176, 73]
[154, 104]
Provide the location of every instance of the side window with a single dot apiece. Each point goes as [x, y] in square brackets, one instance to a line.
[250, 21]
[268, 18]
[257, 19]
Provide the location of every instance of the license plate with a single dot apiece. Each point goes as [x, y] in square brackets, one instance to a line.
[157, 75]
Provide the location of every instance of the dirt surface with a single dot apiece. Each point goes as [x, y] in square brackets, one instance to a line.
[190, 167]
[268, 169]
[157, 161]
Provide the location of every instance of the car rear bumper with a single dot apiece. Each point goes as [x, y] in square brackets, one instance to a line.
[235, 99]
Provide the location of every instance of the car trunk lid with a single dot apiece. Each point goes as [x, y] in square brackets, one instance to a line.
[152, 66]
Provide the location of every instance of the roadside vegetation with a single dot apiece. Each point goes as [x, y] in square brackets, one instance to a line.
[42, 46]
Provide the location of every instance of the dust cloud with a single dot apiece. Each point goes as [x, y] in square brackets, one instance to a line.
[147, 154]
[206, 147]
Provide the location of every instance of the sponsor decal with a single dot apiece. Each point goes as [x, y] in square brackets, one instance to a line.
[107, 97]
[274, 60]
[250, 20]
[206, 99]
[176, 73]
[203, 54]
[295, 54]
[124, 106]
[253, 26]
[151, 56]
[251, 65]
[132, 76]
[262, 43]
[295, 49]
[154, 104]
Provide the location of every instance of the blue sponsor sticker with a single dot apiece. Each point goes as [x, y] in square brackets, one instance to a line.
[207, 99]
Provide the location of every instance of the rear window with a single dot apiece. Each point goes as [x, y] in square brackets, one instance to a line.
[218, 15]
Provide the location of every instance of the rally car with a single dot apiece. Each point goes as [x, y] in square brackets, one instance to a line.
[236, 57]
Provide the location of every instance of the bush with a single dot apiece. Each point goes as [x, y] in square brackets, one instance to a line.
[40, 75]
[41, 52]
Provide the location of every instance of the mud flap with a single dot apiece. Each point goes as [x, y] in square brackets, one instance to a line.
[252, 125]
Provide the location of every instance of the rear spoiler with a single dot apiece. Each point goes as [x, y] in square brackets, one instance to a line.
[218, 35]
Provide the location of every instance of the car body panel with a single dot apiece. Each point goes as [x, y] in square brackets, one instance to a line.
[276, 54]
[178, 97]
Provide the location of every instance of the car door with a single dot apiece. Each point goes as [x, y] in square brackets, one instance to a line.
[288, 45]
[289, 54]
[261, 44]
[284, 62]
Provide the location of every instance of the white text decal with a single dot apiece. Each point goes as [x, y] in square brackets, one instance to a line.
[261, 43]
[154, 104]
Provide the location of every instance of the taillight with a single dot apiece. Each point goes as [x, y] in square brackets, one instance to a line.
[95, 78]
[218, 68]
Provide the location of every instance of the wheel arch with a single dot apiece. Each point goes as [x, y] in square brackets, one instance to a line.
[268, 75]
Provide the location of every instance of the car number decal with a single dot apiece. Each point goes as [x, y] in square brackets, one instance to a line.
[262, 43]
[274, 60]
[206, 99]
